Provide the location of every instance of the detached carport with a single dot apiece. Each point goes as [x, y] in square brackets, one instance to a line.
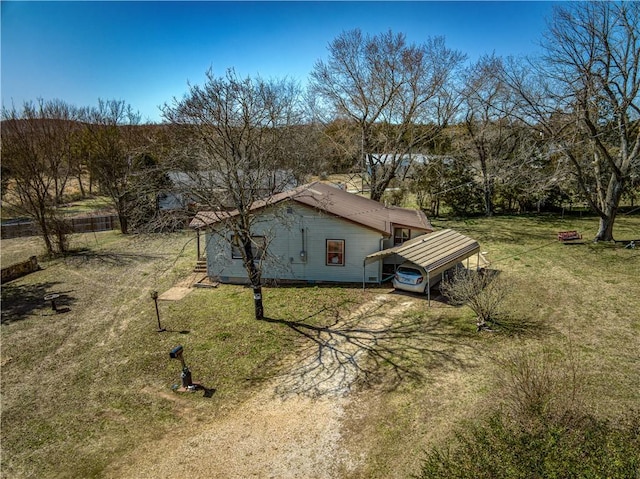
[435, 252]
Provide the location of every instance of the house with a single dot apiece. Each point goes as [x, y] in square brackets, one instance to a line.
[404, 162]
[313, 233]
[407, 163]
[191, 188]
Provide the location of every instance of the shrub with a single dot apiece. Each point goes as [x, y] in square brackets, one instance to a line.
[569, 446]
[481, 290]
[539, 431]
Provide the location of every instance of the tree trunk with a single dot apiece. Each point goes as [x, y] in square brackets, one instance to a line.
[605, 229]
[486, 186]
[610, 210]
[46, 237]
[257, 302]
[122, 216]
[41, 217]
[488, 201]
[81, 186]
[379, 184]
[376, 192]
[124, 223]
[255, 277]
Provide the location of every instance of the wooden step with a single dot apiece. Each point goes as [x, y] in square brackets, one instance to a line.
[200, 267]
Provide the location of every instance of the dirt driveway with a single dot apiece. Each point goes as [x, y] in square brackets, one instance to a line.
[293, 426]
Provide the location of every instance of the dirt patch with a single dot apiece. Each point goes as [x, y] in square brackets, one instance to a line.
[184, 287]
[292, 427]
[265, 437]
[175, 294]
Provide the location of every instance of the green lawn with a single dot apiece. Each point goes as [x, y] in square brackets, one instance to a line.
[81, 388]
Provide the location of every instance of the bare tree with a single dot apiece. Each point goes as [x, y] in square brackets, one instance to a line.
[397, 94]
[234, 134]
[490, 136]
[113, 143]
[428, 182]
[585, 99]
[36, 154]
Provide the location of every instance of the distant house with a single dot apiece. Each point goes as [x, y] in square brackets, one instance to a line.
[407, 163]
[313, 233]
[189, 189]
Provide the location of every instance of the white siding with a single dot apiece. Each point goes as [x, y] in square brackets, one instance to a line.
[292, 231]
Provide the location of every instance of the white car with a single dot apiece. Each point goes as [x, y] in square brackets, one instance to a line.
[413, 278]
[410, 277]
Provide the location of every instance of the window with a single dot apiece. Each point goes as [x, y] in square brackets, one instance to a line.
[400, 235]
[258, 245]
[335, 252]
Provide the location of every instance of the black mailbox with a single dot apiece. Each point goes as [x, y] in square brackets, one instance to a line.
[176, 352]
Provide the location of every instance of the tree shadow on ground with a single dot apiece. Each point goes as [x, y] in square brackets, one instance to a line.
[87, 257]
[519, 326]
[20, 301]
[370, 348]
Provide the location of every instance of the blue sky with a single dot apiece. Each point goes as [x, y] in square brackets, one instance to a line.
[145, 52]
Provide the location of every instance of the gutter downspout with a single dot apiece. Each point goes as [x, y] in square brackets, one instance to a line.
[380, 262]
[364, 271]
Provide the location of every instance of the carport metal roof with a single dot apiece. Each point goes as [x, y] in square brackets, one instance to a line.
[435, 252]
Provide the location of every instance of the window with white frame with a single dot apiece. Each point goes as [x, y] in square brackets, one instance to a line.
[258, 246]
[335, 252]
[400, 235]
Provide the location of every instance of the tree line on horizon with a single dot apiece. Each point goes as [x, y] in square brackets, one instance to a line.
[499, 135]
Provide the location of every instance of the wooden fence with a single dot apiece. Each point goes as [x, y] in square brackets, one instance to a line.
[81, 224]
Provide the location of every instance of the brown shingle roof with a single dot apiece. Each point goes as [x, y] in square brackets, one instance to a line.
[338, 202]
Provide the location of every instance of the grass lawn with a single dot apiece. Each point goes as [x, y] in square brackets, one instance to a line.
[578, 305]
[87, 206]
[78, 207]
[82, 388]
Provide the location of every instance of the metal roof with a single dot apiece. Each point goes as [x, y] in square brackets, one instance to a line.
[338, 202]
[435, 252]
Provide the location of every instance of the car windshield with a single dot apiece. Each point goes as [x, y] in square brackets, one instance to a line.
[409, 271]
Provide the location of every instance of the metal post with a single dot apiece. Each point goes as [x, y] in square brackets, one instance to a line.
[154, 296]
[428, 290]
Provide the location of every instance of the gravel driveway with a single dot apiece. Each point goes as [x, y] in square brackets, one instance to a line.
[291, 428]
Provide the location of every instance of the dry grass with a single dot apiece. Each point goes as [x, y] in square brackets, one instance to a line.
[73, 379]
[577, 302]
[94, 382]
